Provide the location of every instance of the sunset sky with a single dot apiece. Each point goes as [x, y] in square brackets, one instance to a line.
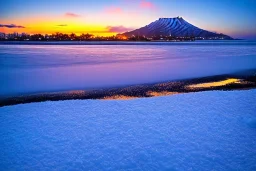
[108, 17]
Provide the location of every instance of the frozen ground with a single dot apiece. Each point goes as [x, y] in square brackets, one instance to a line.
[195, 131]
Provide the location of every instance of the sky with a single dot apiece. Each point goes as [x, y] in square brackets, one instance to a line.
[235, 18]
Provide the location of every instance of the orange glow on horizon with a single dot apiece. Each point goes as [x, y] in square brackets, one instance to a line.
[45, 29]
[40, 26]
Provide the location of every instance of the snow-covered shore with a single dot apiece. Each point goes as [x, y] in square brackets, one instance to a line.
[197, 131]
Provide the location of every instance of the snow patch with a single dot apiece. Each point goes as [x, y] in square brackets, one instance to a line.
[195, 131]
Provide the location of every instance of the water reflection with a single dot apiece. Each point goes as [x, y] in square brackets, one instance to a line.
[28, 69]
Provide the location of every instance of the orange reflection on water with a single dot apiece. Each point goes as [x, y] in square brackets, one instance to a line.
[215, 84]
[119, 97]
[162, 93]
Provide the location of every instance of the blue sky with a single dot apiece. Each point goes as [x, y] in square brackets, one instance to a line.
[232, 17]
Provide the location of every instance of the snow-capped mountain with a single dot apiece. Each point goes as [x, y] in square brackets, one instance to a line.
[177, 27]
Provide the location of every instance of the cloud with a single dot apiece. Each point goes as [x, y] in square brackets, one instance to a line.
[69, 14]
[62, 25]
[147, 4]
[11, 26]
[113, 10]
[118, 29]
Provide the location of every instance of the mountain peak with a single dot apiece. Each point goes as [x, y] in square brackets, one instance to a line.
[175, 18]
[176, 27]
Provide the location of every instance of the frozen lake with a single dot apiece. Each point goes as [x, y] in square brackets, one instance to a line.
[36, 67]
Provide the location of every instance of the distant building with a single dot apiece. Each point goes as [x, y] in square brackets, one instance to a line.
[12, 35]
[2, 35]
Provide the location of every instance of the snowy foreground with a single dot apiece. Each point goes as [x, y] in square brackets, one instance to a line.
[195, 131]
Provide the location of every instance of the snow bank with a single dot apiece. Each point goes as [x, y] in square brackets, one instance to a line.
[196, 131]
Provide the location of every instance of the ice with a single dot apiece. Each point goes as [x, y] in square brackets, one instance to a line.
[196, 131]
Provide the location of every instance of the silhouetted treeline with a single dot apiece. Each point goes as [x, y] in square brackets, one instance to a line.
[86, 37]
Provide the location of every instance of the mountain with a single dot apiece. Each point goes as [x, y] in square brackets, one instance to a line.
[176, 27]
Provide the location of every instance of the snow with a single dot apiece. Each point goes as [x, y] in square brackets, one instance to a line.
[178, 27]
[196, 131]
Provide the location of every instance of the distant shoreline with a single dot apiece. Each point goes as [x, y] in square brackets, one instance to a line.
[227, 82]
[197, 42]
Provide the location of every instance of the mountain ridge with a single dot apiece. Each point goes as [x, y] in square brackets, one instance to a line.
[175, 27]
